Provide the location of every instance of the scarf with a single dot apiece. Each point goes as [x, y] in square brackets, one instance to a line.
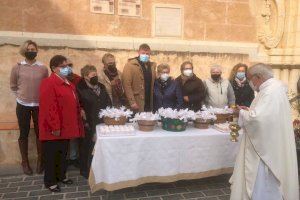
[110, 75]
[96, 89]
[240, 83]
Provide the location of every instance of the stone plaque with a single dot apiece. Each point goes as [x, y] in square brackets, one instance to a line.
[102, 6]
[130, 8]
[168, 21]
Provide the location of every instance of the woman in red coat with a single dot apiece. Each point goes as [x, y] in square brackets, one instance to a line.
[59, 121]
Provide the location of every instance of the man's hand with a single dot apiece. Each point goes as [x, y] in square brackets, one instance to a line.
[56, 133]
[135, 106]
[242, 108]
[186, 99]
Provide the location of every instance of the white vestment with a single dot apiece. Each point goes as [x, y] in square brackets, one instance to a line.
[267, 153]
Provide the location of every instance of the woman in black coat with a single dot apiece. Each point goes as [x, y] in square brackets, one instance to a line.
[193, 89]
[93, 97]
[244, 94]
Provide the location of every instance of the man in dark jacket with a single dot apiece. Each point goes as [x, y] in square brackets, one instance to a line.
[193, 89]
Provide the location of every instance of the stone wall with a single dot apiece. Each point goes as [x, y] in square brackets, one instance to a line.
[203, 19]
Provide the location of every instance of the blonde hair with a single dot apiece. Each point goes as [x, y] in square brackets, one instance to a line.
[163, 66]
[25, 45]
[106, 56]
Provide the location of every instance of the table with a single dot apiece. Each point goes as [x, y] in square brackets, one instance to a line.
[160, 156]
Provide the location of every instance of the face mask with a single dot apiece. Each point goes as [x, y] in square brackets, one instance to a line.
[188, 72]
[144, 58]
[64, 72]
[94, 80]
[30, 55]
[112, 68]
[164, 76]
[216, 77]
[240, 75]
[253, 86]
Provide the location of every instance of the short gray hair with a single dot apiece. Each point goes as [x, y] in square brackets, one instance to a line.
[163, 66]
[261, 70]
[87, 69]
[216, 67]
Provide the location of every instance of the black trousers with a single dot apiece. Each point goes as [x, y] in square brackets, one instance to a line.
[86, 146]
[55, 155]
[24, 114]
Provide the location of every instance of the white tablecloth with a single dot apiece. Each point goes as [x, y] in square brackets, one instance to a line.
[160, 156]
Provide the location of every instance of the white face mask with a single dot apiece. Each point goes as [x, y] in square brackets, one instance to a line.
[164, 76]
[188, 72]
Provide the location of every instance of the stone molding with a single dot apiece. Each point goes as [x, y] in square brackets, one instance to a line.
[129, 43]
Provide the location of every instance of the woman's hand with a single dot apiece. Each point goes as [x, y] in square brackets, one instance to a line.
[82, 113]
[186, 98]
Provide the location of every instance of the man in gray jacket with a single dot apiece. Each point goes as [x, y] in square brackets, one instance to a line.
[219, 92]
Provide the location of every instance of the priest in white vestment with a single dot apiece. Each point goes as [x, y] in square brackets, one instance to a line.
[266, 165]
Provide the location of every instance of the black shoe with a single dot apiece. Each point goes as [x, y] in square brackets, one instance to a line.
[54, 188]
[67, 181]
[85, 174]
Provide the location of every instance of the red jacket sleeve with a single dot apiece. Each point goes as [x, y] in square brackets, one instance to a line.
[49, 109]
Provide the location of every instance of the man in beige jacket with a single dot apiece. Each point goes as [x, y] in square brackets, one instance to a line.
[110, 77]
[138, 80]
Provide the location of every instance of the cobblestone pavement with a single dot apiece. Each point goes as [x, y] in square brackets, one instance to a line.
[31, 188]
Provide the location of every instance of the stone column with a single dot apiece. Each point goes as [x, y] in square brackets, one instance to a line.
[293, 79]
[276, 73]
[284, 76]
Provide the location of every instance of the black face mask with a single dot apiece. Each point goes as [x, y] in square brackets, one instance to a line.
[216, 77]
[30, 55]
[112, 68]
[94, 80]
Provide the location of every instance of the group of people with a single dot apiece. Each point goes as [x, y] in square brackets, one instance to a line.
[65, 106]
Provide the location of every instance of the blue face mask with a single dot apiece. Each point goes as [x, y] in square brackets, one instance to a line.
[144, 58]
[240, 75]
[65, 71]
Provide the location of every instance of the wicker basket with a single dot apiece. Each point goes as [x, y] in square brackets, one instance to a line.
[200, 124]
[223, 118]
[111, 121]
[174, 125]
[146, 125]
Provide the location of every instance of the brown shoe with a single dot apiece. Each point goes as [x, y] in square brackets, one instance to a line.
[23, 145]
[40, 160]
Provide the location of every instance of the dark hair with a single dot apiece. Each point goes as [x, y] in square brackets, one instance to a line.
[145, 47]
[186, 63]
[235, 68]
[56, 61]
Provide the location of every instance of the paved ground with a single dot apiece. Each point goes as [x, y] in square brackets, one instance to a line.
[31, 187]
